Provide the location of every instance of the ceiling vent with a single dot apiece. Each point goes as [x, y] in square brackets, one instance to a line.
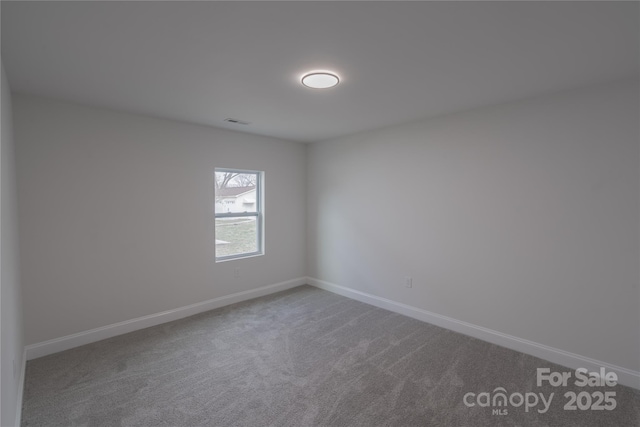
[236, 121]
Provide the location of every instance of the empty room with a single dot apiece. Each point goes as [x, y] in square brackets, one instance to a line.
[320, 213]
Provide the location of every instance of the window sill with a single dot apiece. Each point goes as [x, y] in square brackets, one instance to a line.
[233, 257]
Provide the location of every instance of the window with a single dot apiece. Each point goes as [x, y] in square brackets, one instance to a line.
[238, 213]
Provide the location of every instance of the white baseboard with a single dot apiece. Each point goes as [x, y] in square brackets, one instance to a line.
[56, 345]
[23, 370]
[626, 376]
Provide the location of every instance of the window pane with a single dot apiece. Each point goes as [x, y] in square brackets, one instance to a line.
[236, 192]
[236, 235]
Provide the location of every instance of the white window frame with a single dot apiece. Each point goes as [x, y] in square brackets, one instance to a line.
[258, 214]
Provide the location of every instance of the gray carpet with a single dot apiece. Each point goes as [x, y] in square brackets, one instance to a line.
[303, 357]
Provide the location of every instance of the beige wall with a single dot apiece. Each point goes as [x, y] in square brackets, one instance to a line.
[11, 342]
[117, 214]
[522, 218]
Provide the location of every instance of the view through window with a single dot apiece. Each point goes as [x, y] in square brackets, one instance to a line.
[238, 213]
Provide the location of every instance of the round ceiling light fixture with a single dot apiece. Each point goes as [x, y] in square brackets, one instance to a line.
[320, 79]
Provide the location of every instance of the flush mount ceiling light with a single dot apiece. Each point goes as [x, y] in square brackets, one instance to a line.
[320, 80]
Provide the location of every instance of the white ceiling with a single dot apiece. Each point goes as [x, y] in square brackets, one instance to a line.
[202, 62]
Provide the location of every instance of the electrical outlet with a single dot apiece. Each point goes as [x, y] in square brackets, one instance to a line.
[236, 273]
[408, 282]
[15, 369]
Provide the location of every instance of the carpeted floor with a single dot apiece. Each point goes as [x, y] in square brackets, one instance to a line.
[303, 357]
